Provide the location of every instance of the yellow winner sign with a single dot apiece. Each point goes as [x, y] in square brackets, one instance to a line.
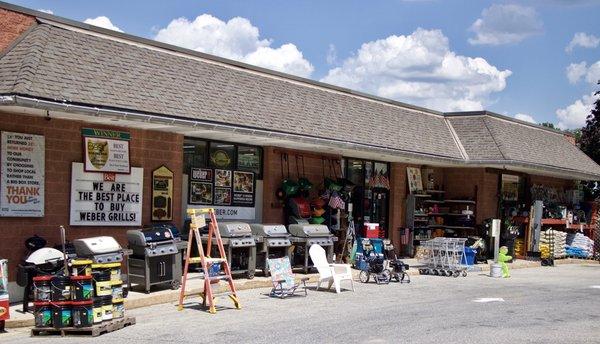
[106, 150]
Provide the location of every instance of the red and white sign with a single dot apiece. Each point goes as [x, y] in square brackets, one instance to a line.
[22, 160]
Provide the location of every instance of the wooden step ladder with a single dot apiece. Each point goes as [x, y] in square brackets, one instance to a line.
[198, 221]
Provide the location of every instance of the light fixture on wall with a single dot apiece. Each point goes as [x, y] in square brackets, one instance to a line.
[48, 115]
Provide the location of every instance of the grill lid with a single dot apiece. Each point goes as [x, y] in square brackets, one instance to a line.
[269, 230]
[234, 229]
[301, 230]
[96, 245]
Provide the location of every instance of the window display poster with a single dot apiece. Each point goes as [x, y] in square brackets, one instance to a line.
[22, 157]
[222, 196]
[201, 174]
[223, 178]
[510, 187]
[201, 193]
[106, 199]
[162, 194]
[106, 150]
[221, 155]
[248, 159]
[415, 183]
[243, 188]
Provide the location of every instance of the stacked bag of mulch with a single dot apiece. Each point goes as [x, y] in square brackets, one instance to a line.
[559, 238]
[579, 245]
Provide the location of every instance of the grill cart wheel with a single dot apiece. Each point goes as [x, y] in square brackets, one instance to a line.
[386, 276]
[250, 275]
[456, 274]
[364, 276]
[464, 274]
[175, 284]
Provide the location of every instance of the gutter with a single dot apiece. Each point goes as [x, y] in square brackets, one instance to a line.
[51, 105]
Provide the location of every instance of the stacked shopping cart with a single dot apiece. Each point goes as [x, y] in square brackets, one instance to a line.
[443, 257]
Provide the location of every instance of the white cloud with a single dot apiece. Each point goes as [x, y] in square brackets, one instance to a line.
[575, 71]
[102, 21]
[235, 39]
[331, 55]
[574, 115]
[525, 117]
[582, 39]
[46, 11]
[503, 24]
[593, 73]
[420, 69]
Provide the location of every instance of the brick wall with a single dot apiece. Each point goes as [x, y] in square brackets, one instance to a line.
[149, 149]
[12, 25]
[463, 183]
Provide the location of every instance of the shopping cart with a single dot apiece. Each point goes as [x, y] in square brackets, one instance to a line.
[443, 257]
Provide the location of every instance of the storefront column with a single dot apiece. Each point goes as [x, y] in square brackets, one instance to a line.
[397, 202]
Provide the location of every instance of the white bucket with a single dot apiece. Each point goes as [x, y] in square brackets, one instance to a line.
[495, 270]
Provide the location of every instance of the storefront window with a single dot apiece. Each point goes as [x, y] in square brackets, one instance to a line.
[356, 171]
[371, 194]
[194, 154]
[221, 155]
[249, 159]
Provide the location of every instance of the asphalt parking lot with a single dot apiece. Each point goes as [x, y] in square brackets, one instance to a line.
[536, 305]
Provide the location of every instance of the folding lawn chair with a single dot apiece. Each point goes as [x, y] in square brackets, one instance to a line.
[282, 277]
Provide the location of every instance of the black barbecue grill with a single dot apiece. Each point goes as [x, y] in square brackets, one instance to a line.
[154, 259]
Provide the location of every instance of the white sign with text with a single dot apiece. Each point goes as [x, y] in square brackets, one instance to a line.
[22, 175]
[106, 199]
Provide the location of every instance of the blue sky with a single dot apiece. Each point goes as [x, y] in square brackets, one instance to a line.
[507, 57]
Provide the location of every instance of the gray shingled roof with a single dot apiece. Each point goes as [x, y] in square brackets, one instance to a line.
[56, 63]
[491, 137]
[70, 62]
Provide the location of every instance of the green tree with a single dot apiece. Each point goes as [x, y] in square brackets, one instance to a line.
[590, 143]
[576, 134]
[548, 125]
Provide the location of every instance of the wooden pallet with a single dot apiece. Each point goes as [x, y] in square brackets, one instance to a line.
[93, 331]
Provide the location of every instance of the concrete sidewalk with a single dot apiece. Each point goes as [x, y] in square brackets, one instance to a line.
[138, 299]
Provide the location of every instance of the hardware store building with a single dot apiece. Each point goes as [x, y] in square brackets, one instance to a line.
[64, 83]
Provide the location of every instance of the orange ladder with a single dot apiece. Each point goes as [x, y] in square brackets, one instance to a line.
[198, 221]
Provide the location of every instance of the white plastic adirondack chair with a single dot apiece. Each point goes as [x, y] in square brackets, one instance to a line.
[330, 273]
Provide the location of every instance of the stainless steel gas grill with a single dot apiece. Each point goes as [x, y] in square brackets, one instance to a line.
[100, 250]
[153, 260]
[273, 241]
[240, 247]
[305, 235]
